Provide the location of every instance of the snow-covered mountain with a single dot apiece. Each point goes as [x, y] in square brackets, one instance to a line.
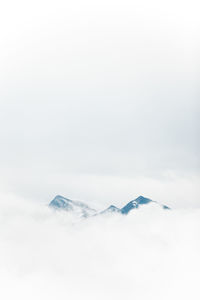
[138, 202]
[111, 209]
[60, 202]
[83, 210]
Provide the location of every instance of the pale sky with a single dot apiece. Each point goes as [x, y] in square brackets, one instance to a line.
[99, 100]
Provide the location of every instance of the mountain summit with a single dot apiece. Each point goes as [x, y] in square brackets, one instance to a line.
[138, 202]
[83, 210]
[60, 202]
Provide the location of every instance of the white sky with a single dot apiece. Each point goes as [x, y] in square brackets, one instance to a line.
[99, 100]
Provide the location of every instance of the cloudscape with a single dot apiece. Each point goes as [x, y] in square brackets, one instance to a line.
[150, 253]
[99, 131]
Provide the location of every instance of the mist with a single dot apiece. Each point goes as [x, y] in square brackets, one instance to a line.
[99, 102]
[151, 253]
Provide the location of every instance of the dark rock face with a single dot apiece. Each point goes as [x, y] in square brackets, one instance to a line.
[166, 207]
[139, 202]
[135, 204]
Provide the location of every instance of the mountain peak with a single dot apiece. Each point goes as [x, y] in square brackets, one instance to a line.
[60, 197]
[111, 208]
[60, 202]
[135, 204]
[143, 200]
[140, 197]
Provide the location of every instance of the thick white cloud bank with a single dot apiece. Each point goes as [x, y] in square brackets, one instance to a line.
[149, 254]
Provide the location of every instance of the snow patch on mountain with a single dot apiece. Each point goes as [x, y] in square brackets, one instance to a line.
[83, 210]
[77, 207]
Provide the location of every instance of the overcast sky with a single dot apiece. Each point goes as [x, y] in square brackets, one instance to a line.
[99, 100]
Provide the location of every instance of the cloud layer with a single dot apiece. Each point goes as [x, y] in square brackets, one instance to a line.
[150, 253]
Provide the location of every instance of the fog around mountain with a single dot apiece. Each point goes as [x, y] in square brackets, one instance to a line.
[149, 253]
[99, 103]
